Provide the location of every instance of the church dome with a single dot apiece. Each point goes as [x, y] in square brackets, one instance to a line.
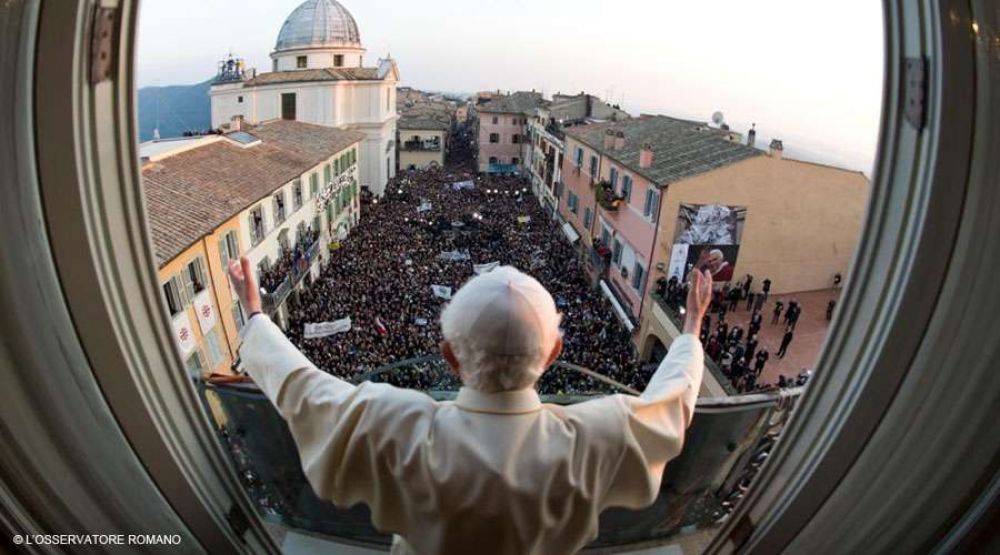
[318, 24]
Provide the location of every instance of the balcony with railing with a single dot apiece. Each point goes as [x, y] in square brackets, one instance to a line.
[292, 265]
[672, 311]
[728, 441]
[556, 130]
[607, 198]
[428, 145]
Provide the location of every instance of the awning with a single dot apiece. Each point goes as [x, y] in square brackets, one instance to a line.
[622, 315]
[570, 232]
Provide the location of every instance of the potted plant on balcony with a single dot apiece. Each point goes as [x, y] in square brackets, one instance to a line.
[606, 196]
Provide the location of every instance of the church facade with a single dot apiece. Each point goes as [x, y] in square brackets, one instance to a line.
[318, 76]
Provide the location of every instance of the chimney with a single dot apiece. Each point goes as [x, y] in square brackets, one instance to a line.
[752, 135]
[619, 140]
[609, 139]
[777, 149]
[646, 156]
[236, 124]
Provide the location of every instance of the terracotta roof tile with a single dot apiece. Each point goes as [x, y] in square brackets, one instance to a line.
[681, 148]
[190, 194]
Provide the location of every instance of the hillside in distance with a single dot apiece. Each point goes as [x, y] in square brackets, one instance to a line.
[177, 108]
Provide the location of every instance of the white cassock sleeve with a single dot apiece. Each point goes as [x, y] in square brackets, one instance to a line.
[348, 436]
[655, 425]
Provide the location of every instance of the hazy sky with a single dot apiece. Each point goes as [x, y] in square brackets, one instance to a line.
[806, 71]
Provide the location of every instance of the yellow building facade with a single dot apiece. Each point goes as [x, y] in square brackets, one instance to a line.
[199, 306]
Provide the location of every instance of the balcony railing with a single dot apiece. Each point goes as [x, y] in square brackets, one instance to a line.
[421, 146]
[727, 442]
[678, 322]
[606, 196]
[296, 271]
[502, 168]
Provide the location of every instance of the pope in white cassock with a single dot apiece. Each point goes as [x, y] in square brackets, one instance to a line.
[495, 470]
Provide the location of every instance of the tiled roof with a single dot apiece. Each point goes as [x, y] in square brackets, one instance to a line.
[422, 122]
[681, 148]
[516, 103]
[312, 75]
[190, 194]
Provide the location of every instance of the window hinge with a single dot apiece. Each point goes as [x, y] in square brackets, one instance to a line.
[102, 44]
[916, 92]
[238, 521]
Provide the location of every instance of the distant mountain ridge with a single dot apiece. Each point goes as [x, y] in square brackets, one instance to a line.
[178, 108]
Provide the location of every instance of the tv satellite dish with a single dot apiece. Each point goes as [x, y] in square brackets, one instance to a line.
[718, 118]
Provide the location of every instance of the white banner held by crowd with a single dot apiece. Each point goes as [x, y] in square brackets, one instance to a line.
[537, 259]
[323, 329]
[455, 256]
[425, 206]
[468, 184]
[442, 291]
[483, 268]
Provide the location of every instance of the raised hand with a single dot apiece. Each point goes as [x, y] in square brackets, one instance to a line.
[698, 300]
[244, 285]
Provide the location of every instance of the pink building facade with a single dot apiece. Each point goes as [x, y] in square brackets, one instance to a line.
[617, 239]
[624, 171]
[629, 227]
[501, 139]
[581, 166]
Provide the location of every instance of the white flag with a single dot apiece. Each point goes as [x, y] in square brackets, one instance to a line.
[455, 256]
[323, 329]
[483, 268]
[442, 291]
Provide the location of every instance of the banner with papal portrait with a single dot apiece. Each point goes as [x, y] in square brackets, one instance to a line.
[707, 236]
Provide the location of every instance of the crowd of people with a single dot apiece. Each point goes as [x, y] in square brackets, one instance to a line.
[426, 232]
[737, 351]
[292, 256]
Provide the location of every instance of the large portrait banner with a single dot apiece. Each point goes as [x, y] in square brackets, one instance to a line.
[708, 237]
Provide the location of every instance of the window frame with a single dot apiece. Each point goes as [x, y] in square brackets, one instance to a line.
[617, 249]
[651, 203]
[256, 236]
[297, 197]
[917, 230]
[279, 208]
[626, 192]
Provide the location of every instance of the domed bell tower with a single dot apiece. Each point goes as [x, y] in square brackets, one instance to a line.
[318, 34]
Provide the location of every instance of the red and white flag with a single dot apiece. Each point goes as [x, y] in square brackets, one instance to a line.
[380, 327]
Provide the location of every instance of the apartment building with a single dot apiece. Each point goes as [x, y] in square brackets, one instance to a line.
[649, 196]
[279, 193]
[543, 154]
[503, 130]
